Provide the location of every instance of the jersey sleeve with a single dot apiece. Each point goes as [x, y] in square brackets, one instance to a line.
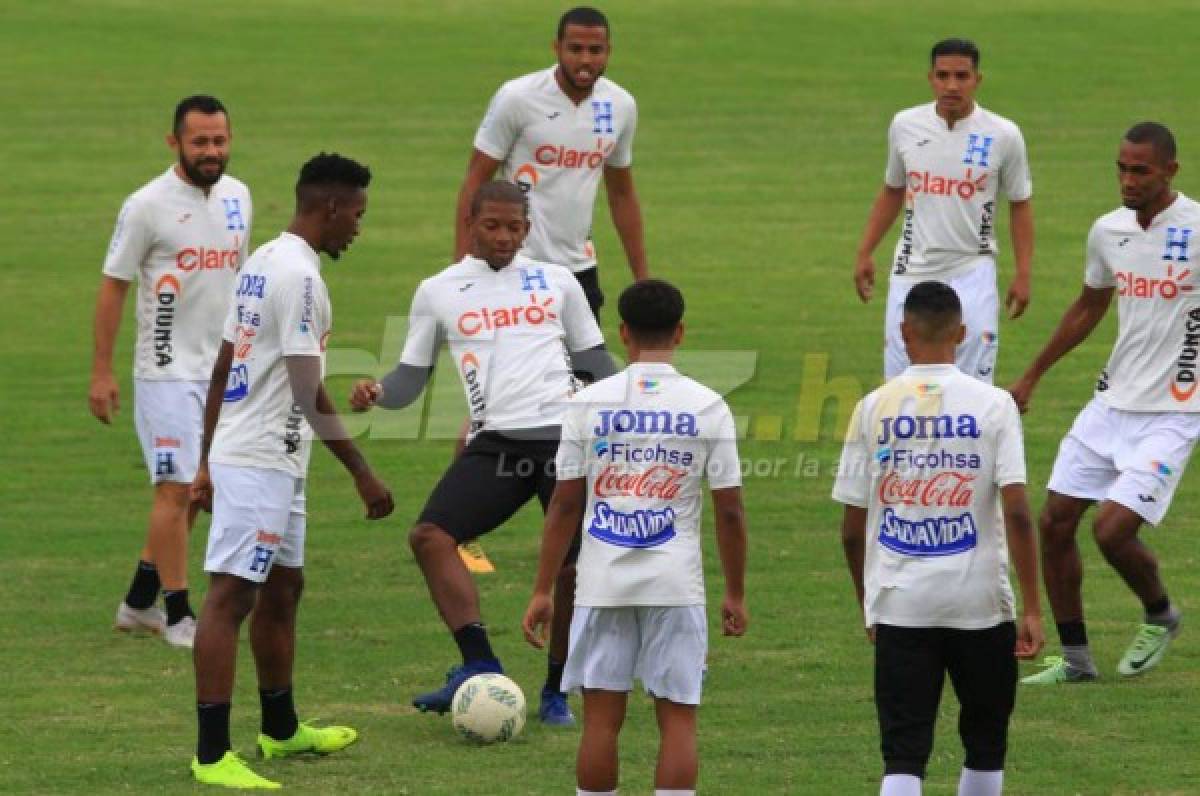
[1096, 272]
[1010, 447]
[893, 175]
[852, 485]
[500, 128]
[578, 322]
[723, 470]
[1015, 179]
[300, 307]
[622, 155]
[244, 254]
[571, 460]
[131, 241]
[421, 344]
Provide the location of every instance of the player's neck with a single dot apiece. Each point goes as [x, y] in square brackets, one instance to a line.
[645, 356]
[1147, 214]
[933, 355]
[308, 232]
[952, 119]
[576, 95]
[179, 172]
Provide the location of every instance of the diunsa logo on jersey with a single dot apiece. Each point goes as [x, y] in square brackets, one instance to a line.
[167, 291]
[1183, 386]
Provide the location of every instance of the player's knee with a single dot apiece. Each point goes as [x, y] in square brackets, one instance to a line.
[1110, 535]
[425, 537]
[232, 599]
[173, 495]
[1056, 527]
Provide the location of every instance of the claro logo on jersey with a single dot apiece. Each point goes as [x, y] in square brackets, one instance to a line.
[1183, 386]
[933, 536]
[562, 157]
[488, 319]
[205, 259]
[1134, 286]
[167, 292]
[964, 187]
[639, 528]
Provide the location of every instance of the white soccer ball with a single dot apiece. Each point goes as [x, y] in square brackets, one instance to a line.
[488, 708]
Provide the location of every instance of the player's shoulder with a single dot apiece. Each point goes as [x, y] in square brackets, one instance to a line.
[229, 184]
[1118, 220]
[538, 82]
[149, 193]
[610, 90]
[916, 115]
[995, 123]
[1186, 209]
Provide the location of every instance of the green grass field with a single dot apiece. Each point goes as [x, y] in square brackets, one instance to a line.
[761, 144]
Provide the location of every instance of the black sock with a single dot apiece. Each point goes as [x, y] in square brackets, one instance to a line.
[1072, 633]
[473, 643]
[178, 606]
[144, 587]
[278, 713]
[554, 673]
[214, 731]
[1158, 607]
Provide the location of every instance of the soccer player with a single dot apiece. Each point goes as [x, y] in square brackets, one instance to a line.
[634, 450]
[948, 161]
[1128, 447]
[182, 236]
[516, 328]
[933, 481]
[555, 132]
[268, 377]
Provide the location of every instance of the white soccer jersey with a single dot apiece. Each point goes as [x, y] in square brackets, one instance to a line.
[556, 151]
[644, 439]
[951, 180]
[280, 308]
[1153, 366]
[510, 333]
[926, 455]
[184, 249]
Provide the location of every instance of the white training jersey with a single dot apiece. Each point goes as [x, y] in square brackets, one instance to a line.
[280, 309]
[556, 152]
[926, 455]
[184, 250]
[644, 439]
[951, 179]
[1153, 365]
[510, 333]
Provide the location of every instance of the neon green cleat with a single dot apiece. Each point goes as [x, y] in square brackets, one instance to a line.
[230, 772]
[308, 739]
[1148, 648]
[1057, 671]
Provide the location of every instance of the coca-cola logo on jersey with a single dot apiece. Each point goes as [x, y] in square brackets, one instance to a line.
[964, 187]
[564, 157]
[943, 490]
[658, 482]
[489, 319]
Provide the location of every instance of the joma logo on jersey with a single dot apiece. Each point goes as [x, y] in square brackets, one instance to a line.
[167, 292]
[487, 319]
[646, 421]
[566, 158]
[1177, 244]
[1183, 386]
[964, 188]
[927, 427]
[980, 145]
[191, 259]
[1130, 284]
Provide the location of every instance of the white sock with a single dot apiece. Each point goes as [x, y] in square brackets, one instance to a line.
[582, 792]
[980, 783]
[675, 792]
[900, 785]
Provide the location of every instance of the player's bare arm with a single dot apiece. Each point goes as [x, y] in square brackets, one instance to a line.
[480, 169]
[1021, 223]
[854, 545]
[1077, 323]
[1023, 548]
[202, 491]
[564, 516]
[103, 395]
[626, 213]
[304, 375]
[730, 516]
[883, 214]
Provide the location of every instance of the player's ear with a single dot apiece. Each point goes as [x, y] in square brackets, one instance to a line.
[677, 338]
[625, 340]
[962, 334]
[173, 143]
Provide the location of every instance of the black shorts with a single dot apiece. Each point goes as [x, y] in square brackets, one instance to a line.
[910, 667]
[492, 478]
[589, 280]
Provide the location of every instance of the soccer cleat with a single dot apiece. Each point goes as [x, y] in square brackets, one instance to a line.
[1057, 670]
[439, 701]
[554, 710]
[476, 560]
[307, 739]
[139, 620]
[181, 634]
[230, 772]
[1148, 648]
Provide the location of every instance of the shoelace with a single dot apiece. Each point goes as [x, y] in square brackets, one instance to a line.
[1147, 638]
[1051, 661]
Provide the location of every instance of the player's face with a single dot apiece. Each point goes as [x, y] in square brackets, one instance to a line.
[954, 79]
[498, 231]
[343, 222]
[202, 146]
[1143, 175]
[582, 55]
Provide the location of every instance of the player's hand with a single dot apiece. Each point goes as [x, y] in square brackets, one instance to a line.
[734, 618]
[871, 634]
[103, 397]
[202, 488]
[1030, 637]
[1017, 298]
[365, 394]
[375, 495]
[538, 616]
[1022, 393]
[864, 278]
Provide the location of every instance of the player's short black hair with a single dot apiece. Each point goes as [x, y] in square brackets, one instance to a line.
[499, 191]
[1155, 134]
[651, 309]
[326, 173]
[934, 307]
[955, 47]
[197, 102]
[585, 16]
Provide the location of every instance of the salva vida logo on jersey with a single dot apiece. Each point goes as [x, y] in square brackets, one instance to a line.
[928, 537]
[640, 528]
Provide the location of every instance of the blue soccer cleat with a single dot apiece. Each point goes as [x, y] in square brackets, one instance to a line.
[439, 701]
[554, 711]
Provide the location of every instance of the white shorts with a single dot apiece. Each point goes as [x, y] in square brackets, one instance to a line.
[1132, 458]
[258, 520]
[666, 647]
[976, 290]
[169, 417]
